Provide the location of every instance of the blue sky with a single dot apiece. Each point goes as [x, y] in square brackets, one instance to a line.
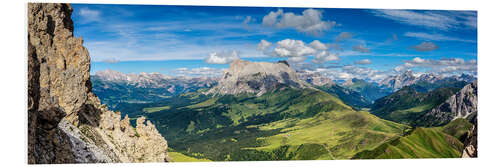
[340, 43]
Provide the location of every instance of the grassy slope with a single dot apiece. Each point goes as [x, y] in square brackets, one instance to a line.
[437, 142]
[275, 126]
[179, 157]
[407, 104]
[155, 109]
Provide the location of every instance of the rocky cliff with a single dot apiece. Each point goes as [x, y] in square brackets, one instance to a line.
[257, 77]
[463, 104]
[66, 121]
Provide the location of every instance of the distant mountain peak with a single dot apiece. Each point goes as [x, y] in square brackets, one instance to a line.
[256, 77]
[407, 78]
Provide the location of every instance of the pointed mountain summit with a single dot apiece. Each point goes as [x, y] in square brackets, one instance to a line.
[257, 77]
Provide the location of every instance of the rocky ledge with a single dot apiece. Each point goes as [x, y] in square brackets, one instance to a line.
[66, 121]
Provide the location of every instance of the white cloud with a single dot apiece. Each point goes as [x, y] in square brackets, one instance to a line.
[298, 51]
[89, 15]
[224, 57]
[445, 66]
[202, 71]
[263, 45]
[318, 45]
[363, 62]
[349, 72]
[442, 20]
[435, 37]
[325, 56]
[425, 46]
[293, 48]
[296, 59]
[418, 60]
[309, 22]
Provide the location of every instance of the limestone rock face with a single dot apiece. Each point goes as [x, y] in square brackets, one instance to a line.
[256, 77]
[66, 121]
[461, 105]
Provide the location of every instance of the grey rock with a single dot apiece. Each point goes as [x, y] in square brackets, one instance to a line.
[461, 105]
[66, 121]
[256, 78]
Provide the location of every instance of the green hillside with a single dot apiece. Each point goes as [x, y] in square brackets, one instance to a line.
[438, 142]
[280, 125]
[407, 104]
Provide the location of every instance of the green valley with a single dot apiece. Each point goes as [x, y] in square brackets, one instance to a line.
[279, 125]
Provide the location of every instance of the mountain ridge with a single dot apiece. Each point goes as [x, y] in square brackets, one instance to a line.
[256, 77]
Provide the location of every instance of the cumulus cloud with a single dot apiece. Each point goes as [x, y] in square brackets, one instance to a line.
[443, 20]
[263, 45]
[296, 59]
[343, 36]
[318, 45]
[223, 57]
[325, 56]
[202, 71]
[293, 48]
[309, 22]
[452, 65]
[298, 51]
[435, 37]
[425, 46]
[361, 48]
[363, 62]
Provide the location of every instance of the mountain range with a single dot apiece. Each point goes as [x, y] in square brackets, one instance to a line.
[407, 78]
[114, 87]
[254, 111]
[268, 111]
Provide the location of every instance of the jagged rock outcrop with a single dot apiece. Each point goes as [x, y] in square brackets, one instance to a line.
[461, 105]
[256, 77]
[66, 121]
[470, 144]
[315, 78]
[399, 81]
